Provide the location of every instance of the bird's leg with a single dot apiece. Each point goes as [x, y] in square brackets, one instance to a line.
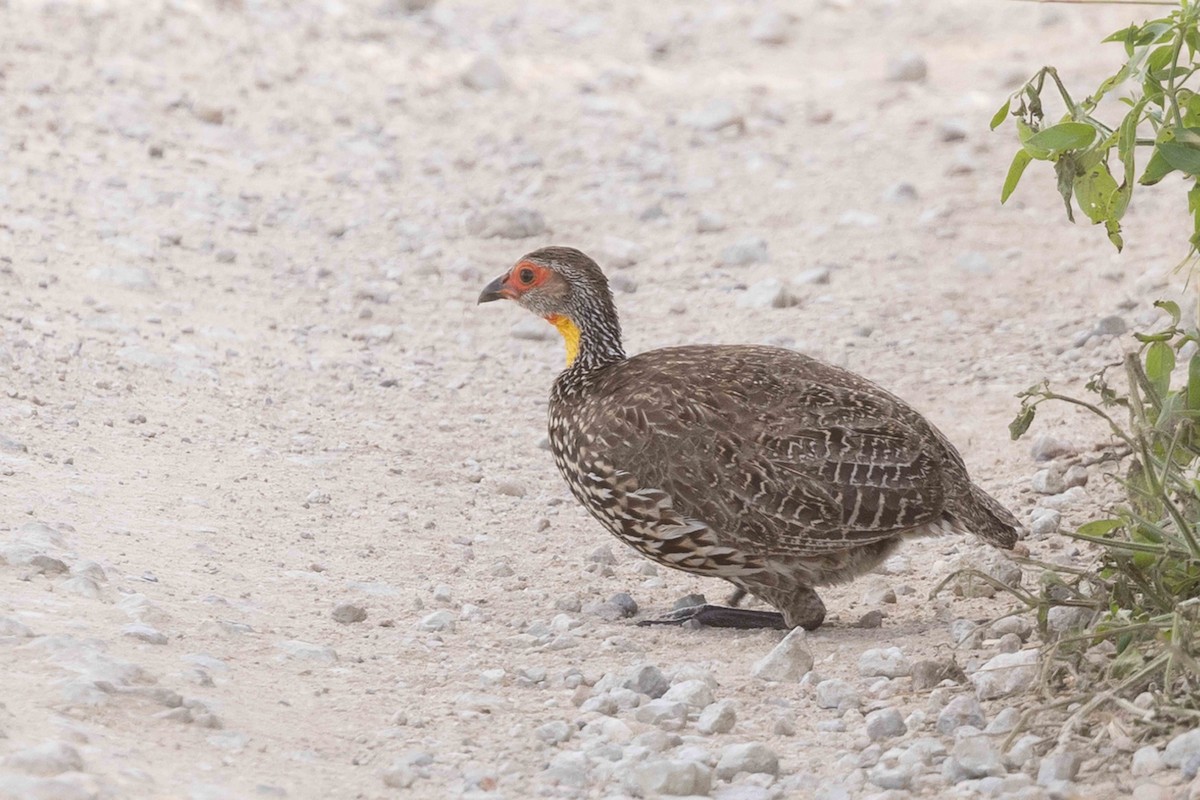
[721, 617]
[735, 599]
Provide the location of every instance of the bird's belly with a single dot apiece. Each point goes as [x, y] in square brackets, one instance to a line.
[644, 518]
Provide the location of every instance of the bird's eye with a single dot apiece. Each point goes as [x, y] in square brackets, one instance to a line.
[526, 276]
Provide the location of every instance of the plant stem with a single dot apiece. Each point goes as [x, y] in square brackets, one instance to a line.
[1171, 79]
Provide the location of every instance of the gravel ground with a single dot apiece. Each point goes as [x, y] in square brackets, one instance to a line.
[276, 513]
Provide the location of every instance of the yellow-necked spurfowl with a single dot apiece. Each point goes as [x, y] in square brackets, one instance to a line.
[758, 465]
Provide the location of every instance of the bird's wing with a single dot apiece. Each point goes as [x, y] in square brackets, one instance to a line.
[810, 470]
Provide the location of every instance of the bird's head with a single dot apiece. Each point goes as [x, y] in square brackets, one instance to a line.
[568, 290]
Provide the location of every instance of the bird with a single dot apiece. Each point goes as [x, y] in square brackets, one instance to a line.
[758, 465]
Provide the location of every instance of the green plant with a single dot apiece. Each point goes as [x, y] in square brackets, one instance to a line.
[1145, 592]
[1161, 58]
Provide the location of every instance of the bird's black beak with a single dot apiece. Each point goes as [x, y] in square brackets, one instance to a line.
[496, 290]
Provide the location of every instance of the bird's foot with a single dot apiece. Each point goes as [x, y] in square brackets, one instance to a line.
[720, 617]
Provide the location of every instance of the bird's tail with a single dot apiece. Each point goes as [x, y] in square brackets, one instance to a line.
[982, 515]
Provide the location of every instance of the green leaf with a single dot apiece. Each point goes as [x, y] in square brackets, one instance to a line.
[1160, 363]
[1182, 156]
[1172, 308]
[1094, 192]
[1021, 423]
[1193, 384]
[1020, 161]
[1127, 139]
[1058, 139]
[1157, 169]
[1113, 228]
[1160, 57]
[1001, 115]
[1123, 35]
[1120, 201]
[1099, 527]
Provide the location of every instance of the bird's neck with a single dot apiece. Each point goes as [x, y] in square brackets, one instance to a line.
[592, 341]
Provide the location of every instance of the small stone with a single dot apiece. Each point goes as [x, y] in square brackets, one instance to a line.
[952, 130]
[880, 594]
[507, 223]
[555, 732]
[716, 115]
[666, 714]
[907, 67]
[1045, 522]
[894, 778]
[672, 777]
[885, 723]
[768, 293]
[318, 498]
[688, 601]
[225, 255]
[305, 651]
[1076, 475]
[437, 621]
[1009, 643]
[208, 113]
[709, 222]
[510, 488]
[1110, 326]
[1181, 748]
[750, 757]
[815, 276]
[1063, 620]
[625, 604]
[125, 277]
[1006, 674]
[602, 555]
[902, 192]
[927, 674]
[1048, 481]
[887, 662]
[1146, 761]
[1005, 721]
[788, 661]
[14, 628]
[484, 74]
[399, 776]
[347, 613]
[137, 630]
[717, 718]
[972, 757]
[43, 564]
[871, 619]
[694, 694]
[1047, 448]
[1058, 767]
[48, 759]
[836, 693]
[648, 680]
[750, 250]
[569, 768]
[962, 710]
[771, 27]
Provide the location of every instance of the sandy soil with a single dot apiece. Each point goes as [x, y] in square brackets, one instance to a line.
[245, 379]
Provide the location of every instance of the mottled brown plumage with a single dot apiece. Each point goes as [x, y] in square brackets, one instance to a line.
[759, 465]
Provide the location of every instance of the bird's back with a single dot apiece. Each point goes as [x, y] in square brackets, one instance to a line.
[776, 451]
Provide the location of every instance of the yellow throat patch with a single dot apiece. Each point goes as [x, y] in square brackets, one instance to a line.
[570, 334]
